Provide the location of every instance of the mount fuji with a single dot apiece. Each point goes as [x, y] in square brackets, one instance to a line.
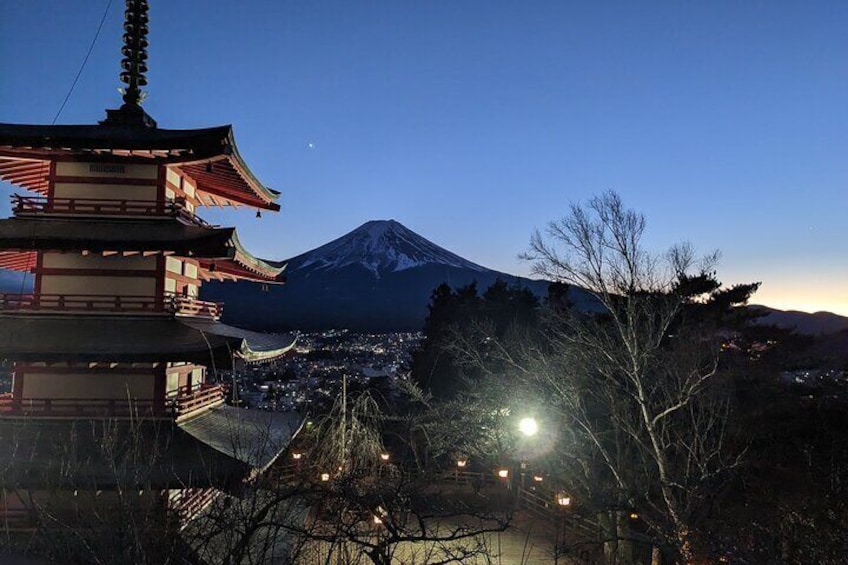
[378, 277]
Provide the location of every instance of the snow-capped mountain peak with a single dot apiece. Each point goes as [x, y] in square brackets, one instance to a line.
[380, 246]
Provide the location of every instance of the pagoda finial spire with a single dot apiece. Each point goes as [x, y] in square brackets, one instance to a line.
[134, 63]
[133, 69]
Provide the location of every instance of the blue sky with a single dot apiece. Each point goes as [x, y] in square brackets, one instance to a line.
[474, 122]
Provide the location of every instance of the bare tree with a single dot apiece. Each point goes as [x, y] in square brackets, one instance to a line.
[367, 503]
[638, 382]
[632, 378]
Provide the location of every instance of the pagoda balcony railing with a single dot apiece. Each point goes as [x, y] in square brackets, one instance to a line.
[180, 407]
[41, 205]
[99, 304]
[207, 395]
[186, 503]
[80, 407]
[188, 306]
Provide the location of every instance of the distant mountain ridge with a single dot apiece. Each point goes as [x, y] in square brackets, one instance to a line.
[378, 277]
[818, 323]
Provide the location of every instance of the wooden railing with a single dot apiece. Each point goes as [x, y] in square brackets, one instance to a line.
[78, 407]
[17, 519]
[81, 303]
[207, 395]
[91, 303]
[187, 306]
[37, 205]
[188, 502]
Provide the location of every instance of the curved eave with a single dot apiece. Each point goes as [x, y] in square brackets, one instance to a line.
[240, 264]
[27, 150]
[254, 347]
[231, 269]
[249, 355]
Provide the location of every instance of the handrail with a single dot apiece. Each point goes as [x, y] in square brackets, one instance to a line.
[94, 303]
[78, 406]
[193, 401]
[185, 404]
[34, 205]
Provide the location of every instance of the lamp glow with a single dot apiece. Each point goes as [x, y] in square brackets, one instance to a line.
[528, 426]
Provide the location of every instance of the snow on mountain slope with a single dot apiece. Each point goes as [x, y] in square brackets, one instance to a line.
[381, 247]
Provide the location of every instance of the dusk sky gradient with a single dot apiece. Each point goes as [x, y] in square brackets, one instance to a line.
[474, 122]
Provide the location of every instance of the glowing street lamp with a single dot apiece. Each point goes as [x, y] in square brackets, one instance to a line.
[461, 462]
[296, 455]
[563, 499]
[528, 426]
[384, 457]
[503, 472]
[325, 477]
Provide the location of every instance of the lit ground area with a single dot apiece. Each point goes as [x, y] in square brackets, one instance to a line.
[529, 540]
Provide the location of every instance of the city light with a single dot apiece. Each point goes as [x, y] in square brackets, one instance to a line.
[503, 472]
[384, 456]
[563, 499]
[461, 462]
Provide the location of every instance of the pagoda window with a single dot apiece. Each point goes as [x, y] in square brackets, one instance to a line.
[170, 285]
[118, 171]
[173, 265]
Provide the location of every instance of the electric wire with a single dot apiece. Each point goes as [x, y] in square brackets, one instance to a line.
[84, 61]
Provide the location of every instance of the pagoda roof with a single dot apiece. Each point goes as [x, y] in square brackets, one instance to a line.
[221, 447]
[216, 247]
[255, 437]
[209, 156]
[111, 339]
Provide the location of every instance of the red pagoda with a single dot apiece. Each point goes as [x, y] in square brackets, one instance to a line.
[113, 329]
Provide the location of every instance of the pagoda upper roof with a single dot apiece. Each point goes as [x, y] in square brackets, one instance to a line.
[217, 248]
[208, 155]
[112, 339]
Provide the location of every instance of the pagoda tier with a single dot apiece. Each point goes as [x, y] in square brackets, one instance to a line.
[218, 250]
[221, 447]
[208, 157]
[109, 340]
